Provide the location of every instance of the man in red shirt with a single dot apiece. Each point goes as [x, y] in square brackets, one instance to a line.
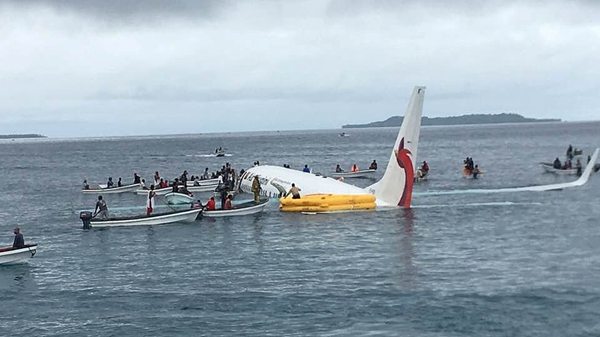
[211, 205]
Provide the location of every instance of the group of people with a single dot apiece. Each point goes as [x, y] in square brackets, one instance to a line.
[355, 168]
[471, 168]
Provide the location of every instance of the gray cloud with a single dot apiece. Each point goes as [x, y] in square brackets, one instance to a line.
[323, 63]
[131, 10]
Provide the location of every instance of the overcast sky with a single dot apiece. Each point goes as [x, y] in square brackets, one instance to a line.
[129, 67]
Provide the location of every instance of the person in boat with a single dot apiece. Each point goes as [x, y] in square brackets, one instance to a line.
[156, 177]
[206, 174]
[101, 209]
[86, 186]
[373, 165]
[175, 186]
[589, 159]
[19, 241]
[354, 168]
[425, 167]
[184, 177]
[163, 183]
[294, 191]
[136, 178]
[338, 169]
[150, 206]
[211, 204]
[306, 169]
[570, 152]
[228, 203]
[143, 184]
[224, 193]
[557, 164]
[120, 182]
[110, 183]
[476, 172]
[256, 189]
[578, 166]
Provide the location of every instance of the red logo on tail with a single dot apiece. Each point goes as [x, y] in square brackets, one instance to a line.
[405, 162]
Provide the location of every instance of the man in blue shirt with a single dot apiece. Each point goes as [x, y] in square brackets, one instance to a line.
[306, 169]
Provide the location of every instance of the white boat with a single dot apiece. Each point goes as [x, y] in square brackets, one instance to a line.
[421, 175]
[548, 167]
[247, 208]
[102, 189]
[178, 198]
[188, 215]
[159, 191]
[10, 255]
[206, 182]
[343, 134]
[199, 189]
[356, 174]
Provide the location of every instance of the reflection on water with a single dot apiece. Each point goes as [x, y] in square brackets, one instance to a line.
[17, 277]
[409, 275]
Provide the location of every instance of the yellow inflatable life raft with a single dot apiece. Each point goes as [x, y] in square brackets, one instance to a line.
[328, 203]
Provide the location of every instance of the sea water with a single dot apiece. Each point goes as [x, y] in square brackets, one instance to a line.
[522, 264]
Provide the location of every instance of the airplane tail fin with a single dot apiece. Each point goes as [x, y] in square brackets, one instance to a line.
[395, 188]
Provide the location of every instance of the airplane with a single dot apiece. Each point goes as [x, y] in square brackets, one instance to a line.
[394, 189]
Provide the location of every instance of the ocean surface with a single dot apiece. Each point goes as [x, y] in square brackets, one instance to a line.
[525, 264]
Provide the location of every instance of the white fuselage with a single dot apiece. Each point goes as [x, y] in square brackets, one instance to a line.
[275, 181]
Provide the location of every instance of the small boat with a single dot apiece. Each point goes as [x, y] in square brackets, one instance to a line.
[10, 255]
[549, 168]
[421, 175]
[187, 215]
[159, 191]
[199, 189]
[178, 198]
[102, 189]
[343, 134]
[356, 174]
[247, 208]
[205, 182]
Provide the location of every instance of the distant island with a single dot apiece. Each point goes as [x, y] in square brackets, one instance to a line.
[22, 136]
[455, 120]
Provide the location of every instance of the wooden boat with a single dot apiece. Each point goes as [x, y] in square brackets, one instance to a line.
[356, 174]
[178, 198]
[187, 215]
[102, 189]
[10, 255]
[247, 208]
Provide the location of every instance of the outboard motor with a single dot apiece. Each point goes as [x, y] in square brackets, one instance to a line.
[86, 217]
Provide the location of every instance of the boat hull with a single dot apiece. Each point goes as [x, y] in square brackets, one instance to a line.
[160, 191]
[550, 169]
[207, 182]
[178, 199]
[10, 256]
[113, 190]
[358, 174]
[240, 210]
[159, 219]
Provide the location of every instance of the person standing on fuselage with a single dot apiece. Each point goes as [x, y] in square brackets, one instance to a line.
[256, 189]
